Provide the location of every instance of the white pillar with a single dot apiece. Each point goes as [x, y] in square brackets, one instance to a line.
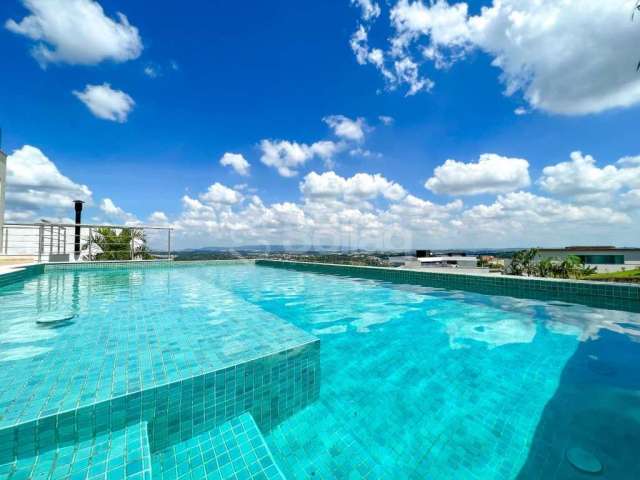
[3, 188]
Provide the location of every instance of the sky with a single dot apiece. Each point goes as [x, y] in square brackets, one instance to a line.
[397, 124]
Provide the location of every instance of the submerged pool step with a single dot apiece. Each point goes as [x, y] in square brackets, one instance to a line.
[114, 455]
[234, 450]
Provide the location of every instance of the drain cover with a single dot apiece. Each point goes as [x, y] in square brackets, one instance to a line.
[583, 460]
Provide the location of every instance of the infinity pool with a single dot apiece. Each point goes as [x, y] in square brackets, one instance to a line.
[410, 381]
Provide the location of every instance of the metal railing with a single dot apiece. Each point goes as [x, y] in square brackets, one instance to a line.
[65, 242]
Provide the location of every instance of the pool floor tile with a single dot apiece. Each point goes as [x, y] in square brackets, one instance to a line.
[114, 455]
[235, 450]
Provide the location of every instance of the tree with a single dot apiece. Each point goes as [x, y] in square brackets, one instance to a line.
[117, 244]
[522, 263]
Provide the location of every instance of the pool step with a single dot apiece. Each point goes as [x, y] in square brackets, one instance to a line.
[121, 454]
[236, 449]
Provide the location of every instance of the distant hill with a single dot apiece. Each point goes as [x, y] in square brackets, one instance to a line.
[267, 249]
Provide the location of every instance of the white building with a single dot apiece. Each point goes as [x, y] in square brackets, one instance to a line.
[605, 259]
[429, 259]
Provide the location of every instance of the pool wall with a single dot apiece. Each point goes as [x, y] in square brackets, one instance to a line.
[605, 295]
[19, 274]
[271, 388]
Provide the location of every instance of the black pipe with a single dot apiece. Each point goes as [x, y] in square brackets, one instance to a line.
[76, 241]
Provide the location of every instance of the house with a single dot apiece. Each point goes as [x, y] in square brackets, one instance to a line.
[603, 258]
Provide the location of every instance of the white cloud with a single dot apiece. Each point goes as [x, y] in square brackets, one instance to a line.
[386, 120]
[346, 128]
[115, 213]
[287, 157]
[218, 194]
[407, 71]
[564, 56]
[151, 71]
[491, 174]
[361, 186]
[370, 10]
[158, 218]
[371, 211]
[445, 25]
[106, 103]
[581, 178]
[237, 162]
[365, 55]
[34, 184]
[521, 111]
[76, 32]
[630, 160]
[363, 152]
[631, 199]
[522, 218]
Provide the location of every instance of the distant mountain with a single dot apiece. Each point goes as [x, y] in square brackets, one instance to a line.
[268, 249]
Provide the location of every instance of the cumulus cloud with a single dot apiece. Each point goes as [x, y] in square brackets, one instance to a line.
[631, 199]
[76, 32]
[219, 194]
[117, 214]
[361, 186]
[106, 103]
[370, 10]
[491, 174]
[583, 180]
[347, 128]
[35, 185]
[158, 218]
[564, 57]
[287, 157]
[523, 218]
[386, 120]
[237, 162]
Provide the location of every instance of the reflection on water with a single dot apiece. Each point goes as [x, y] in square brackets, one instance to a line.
[417, 382]
[596, 407]
[493, 333]
[21, 353]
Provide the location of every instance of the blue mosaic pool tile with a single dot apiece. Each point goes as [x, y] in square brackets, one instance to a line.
[124, 351]
[113, 455]
[235, 450]
[271, 388]
[598, 294]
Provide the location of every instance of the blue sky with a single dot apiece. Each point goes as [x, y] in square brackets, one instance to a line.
[187, 85]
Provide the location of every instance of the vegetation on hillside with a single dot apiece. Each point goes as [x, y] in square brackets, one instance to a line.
[623, 276]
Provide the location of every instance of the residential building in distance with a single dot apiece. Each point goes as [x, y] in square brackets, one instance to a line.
[604, 258]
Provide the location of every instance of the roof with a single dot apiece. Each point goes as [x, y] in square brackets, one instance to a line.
[595, 248]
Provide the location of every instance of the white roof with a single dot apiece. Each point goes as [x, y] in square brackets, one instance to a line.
[445, 259]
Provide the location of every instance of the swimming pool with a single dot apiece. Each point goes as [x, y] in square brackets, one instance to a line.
[343, 377]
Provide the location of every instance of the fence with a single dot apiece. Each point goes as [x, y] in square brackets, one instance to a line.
[59, 242]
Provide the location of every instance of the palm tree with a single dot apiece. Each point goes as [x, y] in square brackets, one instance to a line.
[107, 243]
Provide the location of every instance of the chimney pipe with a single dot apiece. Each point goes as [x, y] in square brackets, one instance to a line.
[76, 241]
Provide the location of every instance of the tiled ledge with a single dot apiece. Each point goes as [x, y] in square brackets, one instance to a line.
[271, 387]
[616, 295]
[9, 275]
[18, 273]
[120, 264]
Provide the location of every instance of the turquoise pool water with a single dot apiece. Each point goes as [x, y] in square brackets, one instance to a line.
[416, 382]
